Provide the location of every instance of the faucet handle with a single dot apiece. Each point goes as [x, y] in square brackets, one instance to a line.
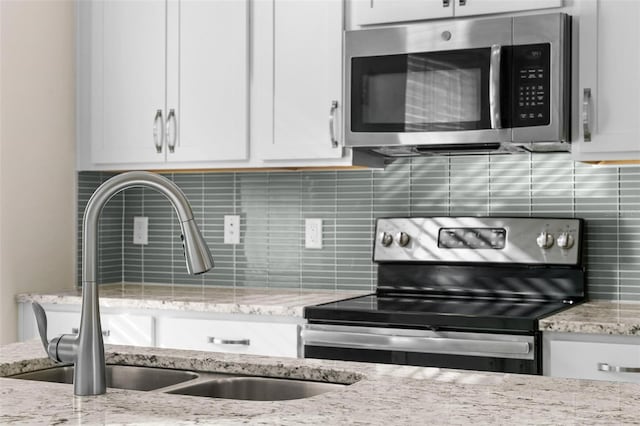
[59, 349]
[41, 320]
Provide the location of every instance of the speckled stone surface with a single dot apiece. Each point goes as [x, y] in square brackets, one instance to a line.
[257, 301]
[601, 317]
[380, 394]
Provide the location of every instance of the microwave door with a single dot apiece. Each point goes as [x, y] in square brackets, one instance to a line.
[429, 97]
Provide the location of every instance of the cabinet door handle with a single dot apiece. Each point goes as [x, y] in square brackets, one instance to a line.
[446, 3]
[105, 333]
[603, 366]
[332, 124]
[219, 341]
[462, 2]
[158, 133]
[171, 130]
[586, 114]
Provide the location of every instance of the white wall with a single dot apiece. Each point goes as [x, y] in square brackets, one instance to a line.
[37, 151]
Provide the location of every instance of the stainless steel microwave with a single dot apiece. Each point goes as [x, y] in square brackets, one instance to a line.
[459, 86]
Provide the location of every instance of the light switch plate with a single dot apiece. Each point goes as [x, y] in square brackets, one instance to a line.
[232, 229]
[141, 230]
[313, 233]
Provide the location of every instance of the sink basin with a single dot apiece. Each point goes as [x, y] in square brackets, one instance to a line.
[118, 376]
[256, 388]
[212, 385]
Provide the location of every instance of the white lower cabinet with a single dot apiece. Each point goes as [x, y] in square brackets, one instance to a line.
[216, 332]
[592, 356]
[117, 328]
[246, 337]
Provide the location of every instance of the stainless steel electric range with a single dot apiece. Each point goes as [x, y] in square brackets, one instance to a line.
[456, 292]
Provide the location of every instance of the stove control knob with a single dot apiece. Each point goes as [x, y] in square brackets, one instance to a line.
[386, 239]
[403, 239]
[565, 241]
[544, 240]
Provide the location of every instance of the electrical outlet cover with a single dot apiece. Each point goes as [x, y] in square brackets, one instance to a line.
[313, 233]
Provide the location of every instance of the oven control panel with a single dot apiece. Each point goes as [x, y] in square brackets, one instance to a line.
[552, 241]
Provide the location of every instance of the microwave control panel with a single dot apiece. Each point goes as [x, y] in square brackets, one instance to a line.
[531, 73]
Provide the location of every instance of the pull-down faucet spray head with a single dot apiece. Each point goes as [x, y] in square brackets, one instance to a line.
[196, 251]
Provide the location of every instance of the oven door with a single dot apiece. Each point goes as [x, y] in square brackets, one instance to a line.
[472, 351]
[437, 83]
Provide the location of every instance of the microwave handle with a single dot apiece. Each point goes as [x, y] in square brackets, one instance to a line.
[494, 86]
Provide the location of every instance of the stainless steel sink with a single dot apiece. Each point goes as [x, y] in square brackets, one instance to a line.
[256, 388]
[212, 385]
[118, 376]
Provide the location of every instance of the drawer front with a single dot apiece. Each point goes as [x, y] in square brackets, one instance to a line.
[246, 337]
[117, 329]
[580, 360]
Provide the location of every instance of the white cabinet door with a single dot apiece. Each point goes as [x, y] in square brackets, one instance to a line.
[208, 80]
[608, 70]
[367, 12]
[117, 329]
[168, 81]
[247, 337]
[307, 67]
[484, 7]
[581, 360]
[127, 84]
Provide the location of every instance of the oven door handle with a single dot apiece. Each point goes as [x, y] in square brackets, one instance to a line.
[443, 345]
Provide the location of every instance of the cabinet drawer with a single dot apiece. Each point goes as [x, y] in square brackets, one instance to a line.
[117, 329]
[580, 360]
[246, 337]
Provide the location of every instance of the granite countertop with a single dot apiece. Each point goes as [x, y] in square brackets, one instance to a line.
[600, 316]
[380, 394]
[258, 301]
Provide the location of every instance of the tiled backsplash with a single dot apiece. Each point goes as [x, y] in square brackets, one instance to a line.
[273, 207]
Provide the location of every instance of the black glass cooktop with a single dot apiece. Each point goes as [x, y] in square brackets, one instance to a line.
[433, 312]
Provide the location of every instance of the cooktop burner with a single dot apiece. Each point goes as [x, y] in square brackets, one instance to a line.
[438, 312]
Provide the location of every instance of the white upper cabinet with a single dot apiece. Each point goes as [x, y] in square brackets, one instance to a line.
[307, 80]
[368, 12]
[208, 80]
[127, 78]
[609, 88]
[485, 7]
[167, 81]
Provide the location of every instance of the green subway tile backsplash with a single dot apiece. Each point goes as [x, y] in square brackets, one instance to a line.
[273, 206]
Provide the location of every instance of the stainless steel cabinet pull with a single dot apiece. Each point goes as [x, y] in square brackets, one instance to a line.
[158, 133]
[171, 130]
[219, 341]
[105, 333]
[603, 366]
[494, 86]
[445, 3]
[332, 120]
[462, 2]
[586, 114]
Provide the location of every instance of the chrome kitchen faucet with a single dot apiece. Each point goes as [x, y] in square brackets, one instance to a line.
[86, 350]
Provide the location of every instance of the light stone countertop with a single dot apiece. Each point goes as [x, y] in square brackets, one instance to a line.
[256, 301]
[598, 317]
[380, 394]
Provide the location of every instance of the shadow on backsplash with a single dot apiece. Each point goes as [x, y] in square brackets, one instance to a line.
[273, 206]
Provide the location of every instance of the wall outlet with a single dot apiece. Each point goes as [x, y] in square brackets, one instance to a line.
[232, 229]
[313, 233]
[141, 230]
